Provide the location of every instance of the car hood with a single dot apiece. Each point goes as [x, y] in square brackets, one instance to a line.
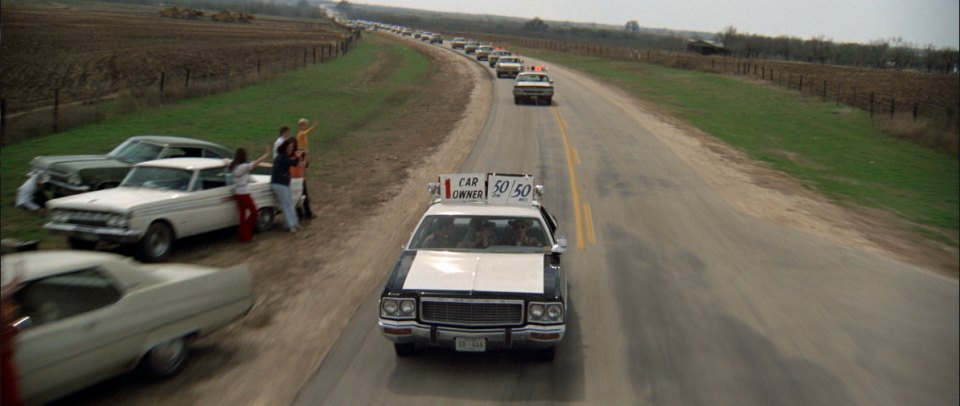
[478, 272]
[117, 200]
[67, 163]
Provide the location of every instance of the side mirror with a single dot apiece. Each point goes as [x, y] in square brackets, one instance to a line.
[560, 247]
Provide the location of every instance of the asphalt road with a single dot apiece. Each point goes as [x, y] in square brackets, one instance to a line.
[676, 298]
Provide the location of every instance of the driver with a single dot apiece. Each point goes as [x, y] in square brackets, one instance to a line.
[442, 236]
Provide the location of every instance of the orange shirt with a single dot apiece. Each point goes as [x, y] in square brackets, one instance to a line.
[302, 140]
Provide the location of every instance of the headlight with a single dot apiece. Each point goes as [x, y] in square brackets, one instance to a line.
[545, 313]
[117, 220]
[398, 308]
[74, 179]
[536, 311]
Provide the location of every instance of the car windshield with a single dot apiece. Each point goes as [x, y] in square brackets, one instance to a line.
[151, 177]
[481, 233]
[533, 78]
[509, 60]
[136, 151]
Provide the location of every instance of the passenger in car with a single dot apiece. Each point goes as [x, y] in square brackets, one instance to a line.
[519, 235]
[443, 235]
[482, 234]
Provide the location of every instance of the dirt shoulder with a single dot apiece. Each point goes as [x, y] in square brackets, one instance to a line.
[368, 191]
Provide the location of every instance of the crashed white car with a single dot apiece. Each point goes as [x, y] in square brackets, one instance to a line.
[86, 316]
[480, 272]
[160, 201]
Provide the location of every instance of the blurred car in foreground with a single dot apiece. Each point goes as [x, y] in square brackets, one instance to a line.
[87, 316]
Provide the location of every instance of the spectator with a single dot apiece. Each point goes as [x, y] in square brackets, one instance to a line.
[297, 172]
[303, 143]
[246, 208]
[280, 182]
[283, 136]
[30, 195]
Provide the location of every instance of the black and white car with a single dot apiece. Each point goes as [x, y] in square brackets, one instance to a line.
[481, 271]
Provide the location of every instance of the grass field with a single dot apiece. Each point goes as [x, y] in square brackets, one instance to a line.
[345, 94]
[834, 149]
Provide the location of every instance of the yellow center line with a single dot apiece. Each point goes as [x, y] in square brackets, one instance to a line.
[576, 156]
[574, 191]
[591, 237]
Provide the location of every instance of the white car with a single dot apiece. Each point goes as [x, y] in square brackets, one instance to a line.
[87, 316]
[158, 202]
[508, 66]
[534, 86]
[480, 272]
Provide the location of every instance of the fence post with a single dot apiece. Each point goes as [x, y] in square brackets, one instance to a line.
[162, 78]
[824, 90]
[871, 104]
[258, 66]
[186, 83]
[893, 103]
[839, 92]
[56, 107]
[304, 57]
[914, 111]
[801, 84]
[314, 54]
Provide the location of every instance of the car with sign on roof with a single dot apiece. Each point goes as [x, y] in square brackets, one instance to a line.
[483, 52]
[72, 174]
[534, 86]
[86, 316]
[495, 56]
[159, 202]
[481, 271]
[458, 42]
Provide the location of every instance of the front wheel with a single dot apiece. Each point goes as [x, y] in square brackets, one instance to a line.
[157, 243]
[516, 100]
[549, 100]
[265, 219]
[166, 359]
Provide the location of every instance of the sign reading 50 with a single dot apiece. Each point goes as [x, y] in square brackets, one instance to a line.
[506, 189]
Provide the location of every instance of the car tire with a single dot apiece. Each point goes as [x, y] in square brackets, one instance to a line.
[405, 350]
[81, 244]
[499, 75]
[266, 219]
[549, 100]
[157, 243]
[516, 100]
[165, 359]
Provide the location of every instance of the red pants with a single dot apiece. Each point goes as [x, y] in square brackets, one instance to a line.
[247, 214]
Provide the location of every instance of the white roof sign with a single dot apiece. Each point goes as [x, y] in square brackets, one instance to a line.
[492, 188]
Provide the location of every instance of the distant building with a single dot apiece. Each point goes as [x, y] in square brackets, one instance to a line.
[703, 47]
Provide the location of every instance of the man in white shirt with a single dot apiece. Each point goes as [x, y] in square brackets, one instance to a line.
[284, 135]
[30, 195]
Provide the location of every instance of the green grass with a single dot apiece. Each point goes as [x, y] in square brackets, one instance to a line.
[836, 150]
[345, 94]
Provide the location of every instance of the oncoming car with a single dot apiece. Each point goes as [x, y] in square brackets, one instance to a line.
[481, 271]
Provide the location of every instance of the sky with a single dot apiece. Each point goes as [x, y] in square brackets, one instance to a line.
[919, 22]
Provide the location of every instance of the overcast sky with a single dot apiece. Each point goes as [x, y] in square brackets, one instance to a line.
[919, 22]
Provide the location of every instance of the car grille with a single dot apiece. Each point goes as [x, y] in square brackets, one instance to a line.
[88, 218]
[472, 312]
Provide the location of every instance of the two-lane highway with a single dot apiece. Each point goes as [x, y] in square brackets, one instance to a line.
[676, 298]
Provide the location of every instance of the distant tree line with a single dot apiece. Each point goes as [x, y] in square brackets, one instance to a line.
[888, 54]
[893, 53]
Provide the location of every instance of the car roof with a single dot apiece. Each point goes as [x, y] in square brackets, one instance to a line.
[41, 264]
[185, 163]
[171, 139]
[482, 209]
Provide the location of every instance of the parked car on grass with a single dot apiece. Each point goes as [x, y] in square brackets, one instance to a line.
[87, 316]
[159, 202]
[71, 174]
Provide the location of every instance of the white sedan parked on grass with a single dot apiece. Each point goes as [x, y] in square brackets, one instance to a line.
[161, 201]
[87, 316]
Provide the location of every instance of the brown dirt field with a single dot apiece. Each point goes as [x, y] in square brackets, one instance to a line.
[128, 49]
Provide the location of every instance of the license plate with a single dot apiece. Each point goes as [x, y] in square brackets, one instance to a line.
[470, 344]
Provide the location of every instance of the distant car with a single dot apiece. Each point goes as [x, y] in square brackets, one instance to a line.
[483, 52]
[458, 43]
[436, 38]
[71, 174]
[495, 56]
[533, 86]
[417, 34]
[426, 37]
[406, 32]
[508, 66]
[158, 202]
[470, 48]
[481, 271]
[86, 316]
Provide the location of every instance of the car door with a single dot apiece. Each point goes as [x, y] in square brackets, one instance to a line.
[212, 205]
[77, 333]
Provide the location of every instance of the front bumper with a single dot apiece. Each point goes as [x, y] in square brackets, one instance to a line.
[91, 233]
[528, 336]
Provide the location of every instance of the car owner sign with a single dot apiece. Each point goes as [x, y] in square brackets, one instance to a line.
[492, 188]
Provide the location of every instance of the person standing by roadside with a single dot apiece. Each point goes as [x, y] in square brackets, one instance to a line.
[246, 208]
[283, 136]
[303, 143]
[280, 183]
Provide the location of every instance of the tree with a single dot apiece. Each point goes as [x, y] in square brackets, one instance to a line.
[344, 6]
[632, 26]
[536, 24]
